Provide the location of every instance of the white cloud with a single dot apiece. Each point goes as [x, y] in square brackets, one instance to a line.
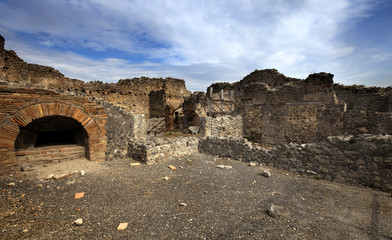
[382, 57]
[201, 41]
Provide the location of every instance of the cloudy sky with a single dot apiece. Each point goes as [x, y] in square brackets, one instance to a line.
[203, 41]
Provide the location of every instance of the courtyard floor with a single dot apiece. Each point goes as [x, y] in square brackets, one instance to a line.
[197, 200]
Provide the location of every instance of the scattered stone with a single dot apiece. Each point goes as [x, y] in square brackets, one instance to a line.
[166, 178]
[122, 226]
[252, 164]
[224, 166]
[78, 222]
[134, 164]
[272, 211]
[50, 176]
[40, 185]
[171, 167]
[27, 168]
[11, 184]
[79, 195]
[82, 172]
[266, 173]
[25, 230]
[310, 172]
[61, 175]
[182, 204]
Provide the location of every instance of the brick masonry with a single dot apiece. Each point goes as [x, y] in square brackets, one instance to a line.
[21, 106]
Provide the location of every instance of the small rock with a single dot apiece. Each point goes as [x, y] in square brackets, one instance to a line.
[78, 222]
[171, 167]
[122, 226]
[252, 164]
[40, 185]
[166, 178]
[134, 164]
[79, 195]
[11, 184]
[61, 175]
[310, 172]
[272, 211]
[266, 173]
[82, 172]
[182, 204]
[27, 168]
[224, 166]
[25, 230]
[50, 176]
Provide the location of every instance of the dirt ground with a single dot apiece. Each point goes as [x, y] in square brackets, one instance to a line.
[197, 200]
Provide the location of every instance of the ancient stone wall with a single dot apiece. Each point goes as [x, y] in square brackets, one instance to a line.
[21, 106]
[360, 98]
[130, 94]
[363, 159]
[222, 127]
[121, 127]
[277, 109]
[162, 148]
[156, 126]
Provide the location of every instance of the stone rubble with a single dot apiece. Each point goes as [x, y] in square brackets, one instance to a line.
[153, 150]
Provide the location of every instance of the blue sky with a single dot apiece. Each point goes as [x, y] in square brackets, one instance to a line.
[203, 41]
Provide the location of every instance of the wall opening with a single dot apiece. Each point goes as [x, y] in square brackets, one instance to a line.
[52, 138]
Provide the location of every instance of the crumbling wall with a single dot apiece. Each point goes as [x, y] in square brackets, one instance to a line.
[130, 94]
[156, 126]
[363, 159]
[361, 98]
[161, 148]
[277, 109]
[122, 127]
[222, 127]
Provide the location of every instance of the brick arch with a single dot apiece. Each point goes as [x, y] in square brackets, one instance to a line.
[9, 129]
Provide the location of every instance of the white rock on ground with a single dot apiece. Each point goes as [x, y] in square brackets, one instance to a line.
[78, 222]
[266, 173]
[224, 166]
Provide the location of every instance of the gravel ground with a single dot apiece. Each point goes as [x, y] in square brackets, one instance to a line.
[218, 203]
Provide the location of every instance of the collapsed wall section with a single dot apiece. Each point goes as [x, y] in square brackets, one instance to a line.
[162, 148]
[277, 109]
[363, 159]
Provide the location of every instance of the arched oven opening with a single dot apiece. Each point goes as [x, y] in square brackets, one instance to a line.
[53, 138]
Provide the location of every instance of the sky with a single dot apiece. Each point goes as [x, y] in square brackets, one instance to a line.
[201, 41]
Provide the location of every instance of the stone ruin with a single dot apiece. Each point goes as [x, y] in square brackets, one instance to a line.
[341, 133]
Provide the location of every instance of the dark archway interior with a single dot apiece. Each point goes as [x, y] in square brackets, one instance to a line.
[53, 130]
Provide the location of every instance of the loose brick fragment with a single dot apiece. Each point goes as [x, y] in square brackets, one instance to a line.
[79, 195]
[62, 175]
[134, 164]
[171, 167]
[122, 226]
